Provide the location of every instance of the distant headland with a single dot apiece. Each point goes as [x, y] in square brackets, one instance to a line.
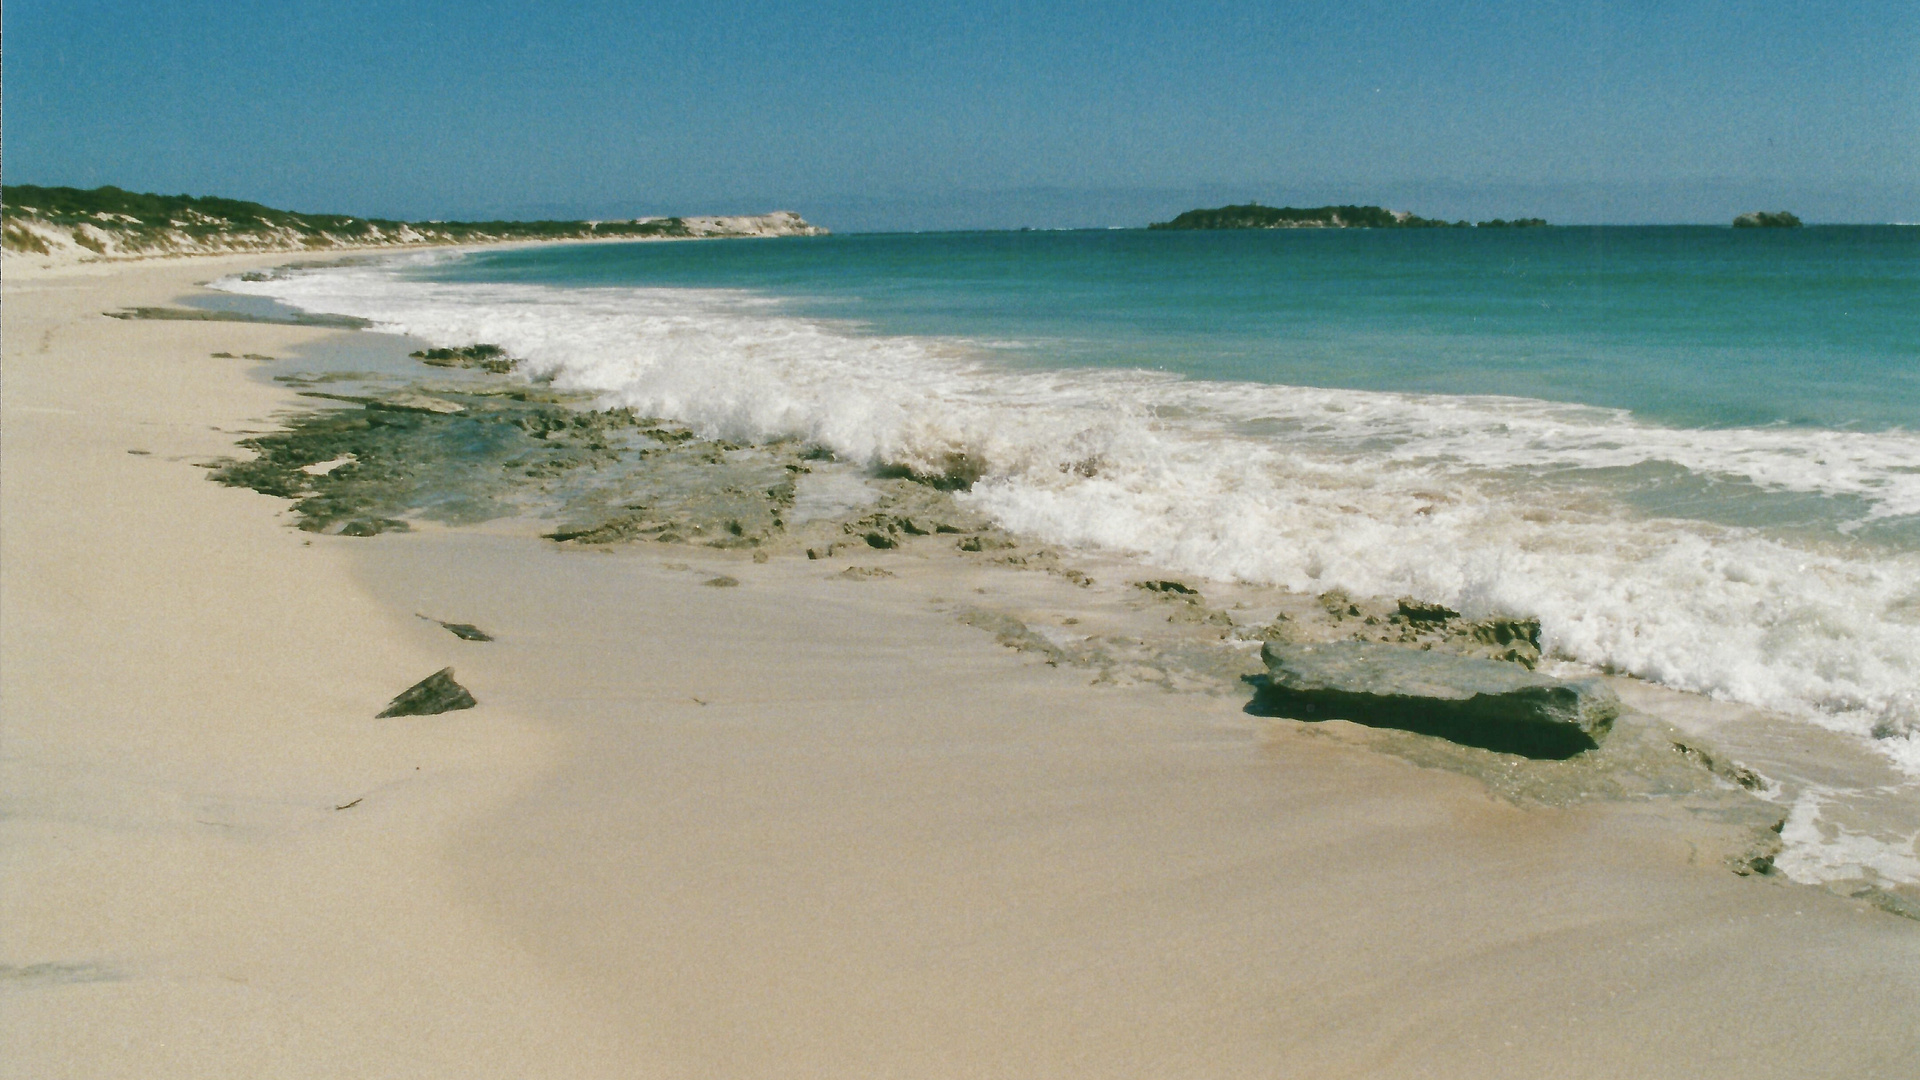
[1761, 219]
[1255, 216]
[67, 224]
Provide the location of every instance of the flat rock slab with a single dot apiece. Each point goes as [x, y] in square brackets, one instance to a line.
[1485, 703]
[437, 693]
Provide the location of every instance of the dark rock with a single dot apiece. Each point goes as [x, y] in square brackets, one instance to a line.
[1474, 702]
[372, 527]
[1173, 587]
[1419, 611]
[1502, 631]
[722, 582]
[612, 531]
[955, 472]
[1338, 604]
[985, 543]
[490, 358]
[466, 631]
[437, 693]
[1731, 771]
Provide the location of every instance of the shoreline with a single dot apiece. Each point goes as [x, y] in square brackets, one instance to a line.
[33, 265]
[810, 823]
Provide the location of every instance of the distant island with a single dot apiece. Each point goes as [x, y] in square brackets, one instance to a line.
[72, 224]
[1255, 216]
[1760, 219]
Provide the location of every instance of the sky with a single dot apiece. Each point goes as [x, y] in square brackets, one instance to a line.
[886, 115]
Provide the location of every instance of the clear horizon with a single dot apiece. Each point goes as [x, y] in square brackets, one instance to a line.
[866, 118]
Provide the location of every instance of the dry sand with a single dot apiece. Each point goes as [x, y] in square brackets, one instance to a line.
[805, 826]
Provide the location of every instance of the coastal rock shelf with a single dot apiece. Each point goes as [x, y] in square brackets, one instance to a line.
[1485, 703]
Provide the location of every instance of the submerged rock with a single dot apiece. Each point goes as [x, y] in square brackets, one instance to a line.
[437, 693]
[1485, 703]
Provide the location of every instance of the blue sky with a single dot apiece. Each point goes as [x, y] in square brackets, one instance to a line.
[887, 115]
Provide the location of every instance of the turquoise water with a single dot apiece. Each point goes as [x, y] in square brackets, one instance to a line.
[1682, 326]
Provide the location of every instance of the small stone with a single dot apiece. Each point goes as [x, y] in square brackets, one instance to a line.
[437, 693]
[722, 582]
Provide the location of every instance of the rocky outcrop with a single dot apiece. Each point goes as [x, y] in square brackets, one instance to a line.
[1485, 703]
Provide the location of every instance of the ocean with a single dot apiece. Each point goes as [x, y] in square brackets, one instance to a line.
[1693, 454]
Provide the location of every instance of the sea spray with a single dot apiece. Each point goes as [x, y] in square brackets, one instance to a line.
[1484, 503]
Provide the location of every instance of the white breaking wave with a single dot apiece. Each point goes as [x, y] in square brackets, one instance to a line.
[1484, 503]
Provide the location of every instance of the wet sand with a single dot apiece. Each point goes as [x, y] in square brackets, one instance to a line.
[805, 825]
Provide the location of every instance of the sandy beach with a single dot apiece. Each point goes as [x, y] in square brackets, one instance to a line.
[804, 825]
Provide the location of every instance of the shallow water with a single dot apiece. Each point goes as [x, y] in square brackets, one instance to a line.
[1688, 452]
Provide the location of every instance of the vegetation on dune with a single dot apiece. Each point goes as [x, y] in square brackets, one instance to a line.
[112, 221]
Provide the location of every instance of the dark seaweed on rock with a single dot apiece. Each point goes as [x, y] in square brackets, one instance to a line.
[488, 358]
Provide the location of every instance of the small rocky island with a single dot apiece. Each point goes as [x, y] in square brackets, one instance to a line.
[1761, 219]
[1256, 216]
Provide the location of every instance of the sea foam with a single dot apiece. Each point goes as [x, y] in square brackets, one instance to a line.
[1486, 504]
